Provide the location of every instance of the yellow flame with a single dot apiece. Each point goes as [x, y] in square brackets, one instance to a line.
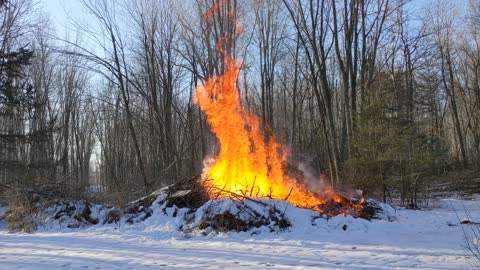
[249, 164]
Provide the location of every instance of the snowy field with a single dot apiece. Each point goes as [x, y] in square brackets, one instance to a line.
[417, 239]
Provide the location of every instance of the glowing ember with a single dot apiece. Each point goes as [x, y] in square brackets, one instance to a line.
[249, 164]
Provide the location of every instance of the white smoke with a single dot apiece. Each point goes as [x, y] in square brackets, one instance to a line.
[316, 183]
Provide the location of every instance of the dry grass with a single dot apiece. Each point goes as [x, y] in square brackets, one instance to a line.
[23, 203]
[21, 209]
[461, 182]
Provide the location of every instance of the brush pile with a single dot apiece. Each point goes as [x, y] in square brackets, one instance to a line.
[186, 205]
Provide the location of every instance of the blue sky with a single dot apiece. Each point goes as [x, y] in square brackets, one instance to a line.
[61, 10]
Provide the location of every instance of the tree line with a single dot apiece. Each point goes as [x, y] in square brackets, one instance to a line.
[374, 94]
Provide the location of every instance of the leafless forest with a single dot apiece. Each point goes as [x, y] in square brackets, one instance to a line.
[377, 95]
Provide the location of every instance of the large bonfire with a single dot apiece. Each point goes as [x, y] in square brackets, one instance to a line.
[251, 164]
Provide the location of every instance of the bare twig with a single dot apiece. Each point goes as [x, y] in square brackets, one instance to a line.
[289, 193]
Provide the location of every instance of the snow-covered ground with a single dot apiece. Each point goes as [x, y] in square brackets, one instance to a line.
[417, 239]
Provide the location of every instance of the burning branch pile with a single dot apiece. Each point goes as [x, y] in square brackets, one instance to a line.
[187, 207]
[250, 163]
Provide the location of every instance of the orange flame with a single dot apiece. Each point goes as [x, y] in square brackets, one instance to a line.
[248, 164]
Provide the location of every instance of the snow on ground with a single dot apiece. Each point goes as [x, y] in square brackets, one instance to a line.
[417, 239]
